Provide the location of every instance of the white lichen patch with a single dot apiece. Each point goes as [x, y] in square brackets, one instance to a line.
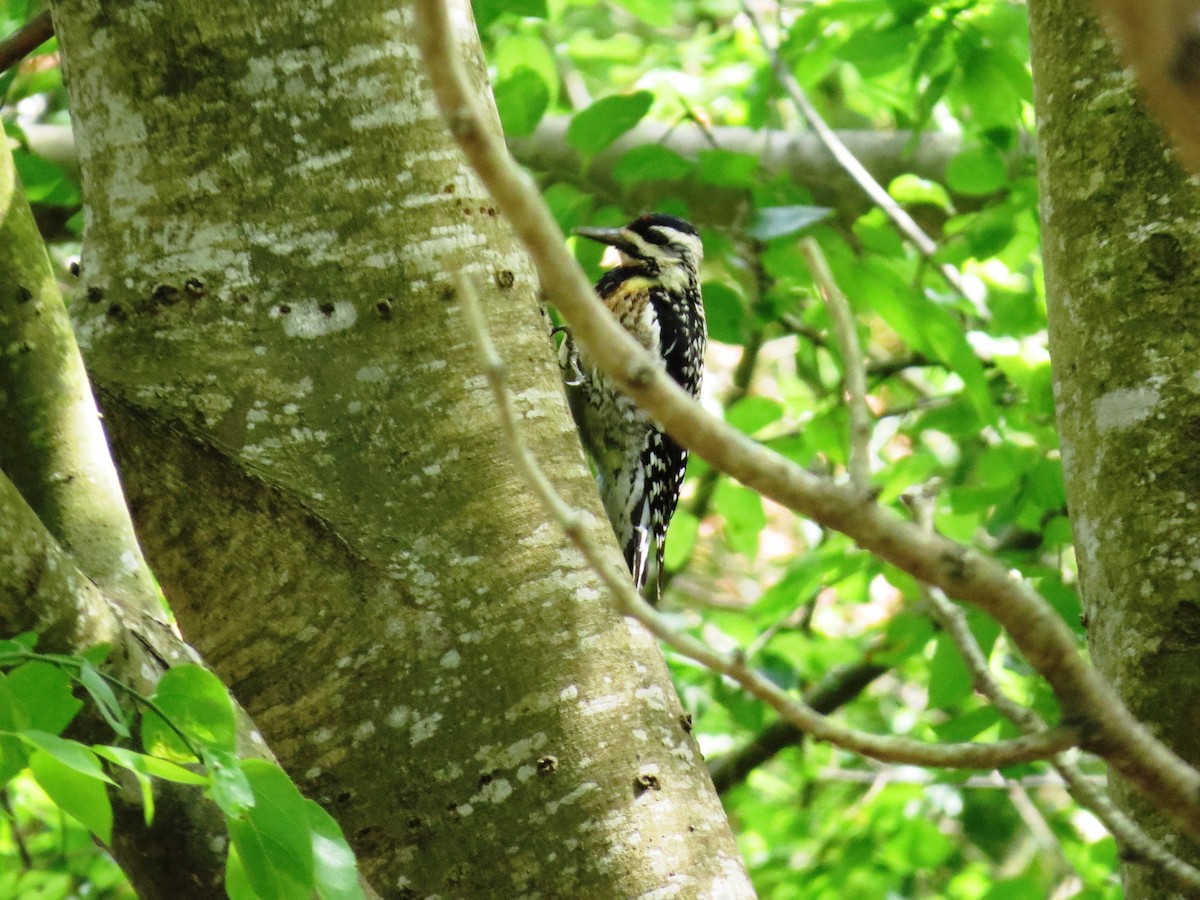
[495, 791]
[398, 717]
[363, 731]
[1124, 408]
[371, 374]
[602, 705]
[451, 659]
[585, 788]
[425, 728]
[307, 320]
[653, 697]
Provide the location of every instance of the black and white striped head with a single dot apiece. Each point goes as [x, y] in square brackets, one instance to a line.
[665, 247]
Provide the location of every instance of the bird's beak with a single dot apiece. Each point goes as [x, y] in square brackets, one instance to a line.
[614, 237]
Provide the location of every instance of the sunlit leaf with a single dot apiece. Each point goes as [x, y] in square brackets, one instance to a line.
[197, 704]
[273, 837]
[650, 162]
[782, 221]
[521, 100]
[105, 698]
[44, 690]
[596, 127]
[333, 861]
[230, 788]
[77, 793]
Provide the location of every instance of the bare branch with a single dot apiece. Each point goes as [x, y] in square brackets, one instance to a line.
[804, 717]
[1109, 728]
[834, 691]
[854, 376]
[25, 40]
[1086, 792]
[902, 220]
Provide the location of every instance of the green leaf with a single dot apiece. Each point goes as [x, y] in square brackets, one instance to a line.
[230, 788]
[1014, 889]
[780, 221]
[978, 171]
[28, 640]
[523, 50]
[682, 539]
[77, 794]
[13, 753]
[44, 690]
[650, 162]
[272, 837]
[659, 13]
[967, 726]
[750, 414]
[132, 761]
[98, 655]
[237, 885]
[725, 313]
[105, 699]
[949, 680]
[487, 11]
[333, 861]
[70, 753]
[521, 100]
[909, 189]
[593, 129]
[199, 706]
[742, 510]
[44, 181]
[149, 765]
[725, 168]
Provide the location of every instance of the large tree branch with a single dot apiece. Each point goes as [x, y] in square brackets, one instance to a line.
[51, 443]
[1109, 729]
[802, 157]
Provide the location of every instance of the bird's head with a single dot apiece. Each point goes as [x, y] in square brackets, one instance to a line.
[668, 248]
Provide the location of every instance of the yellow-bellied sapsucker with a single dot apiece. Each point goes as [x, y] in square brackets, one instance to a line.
[655, 295]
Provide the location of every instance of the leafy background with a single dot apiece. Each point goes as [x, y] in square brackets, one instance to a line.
[959, 386]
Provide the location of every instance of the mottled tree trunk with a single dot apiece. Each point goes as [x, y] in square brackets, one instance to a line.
[313, 458]
[1121, 235]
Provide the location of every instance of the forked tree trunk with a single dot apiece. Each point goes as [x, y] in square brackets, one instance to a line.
[313, 458]
[1121, 239]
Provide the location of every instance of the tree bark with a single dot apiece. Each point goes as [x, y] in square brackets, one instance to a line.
[1121, 242]
[273, 209]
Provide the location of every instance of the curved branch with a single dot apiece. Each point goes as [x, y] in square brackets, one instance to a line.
[1109, 728]
[904, 223]
[26, 39]
[797, 712]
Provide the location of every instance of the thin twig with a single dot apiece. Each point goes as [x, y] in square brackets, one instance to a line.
[831, 693]
[1084, 790]
[25, 40]
[854, 375]
[800, 714]
[907, 226]
[1035, 628]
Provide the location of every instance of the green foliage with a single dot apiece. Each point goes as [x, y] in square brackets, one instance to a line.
[593, 129]
[961, 392]
[960, 388]
[283, 847]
